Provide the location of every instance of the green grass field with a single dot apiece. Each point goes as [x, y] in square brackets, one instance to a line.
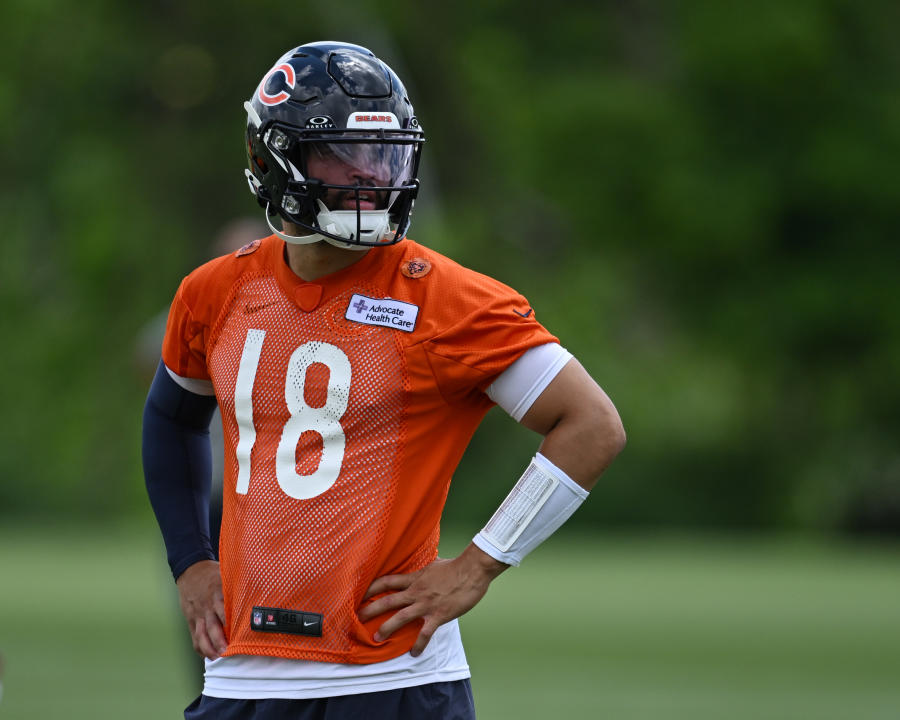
[624, 628]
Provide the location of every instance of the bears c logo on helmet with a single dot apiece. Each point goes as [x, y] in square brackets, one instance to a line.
[290, 79]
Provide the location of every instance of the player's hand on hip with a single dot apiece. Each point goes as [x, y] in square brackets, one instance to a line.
[436, 594]
[200, 592]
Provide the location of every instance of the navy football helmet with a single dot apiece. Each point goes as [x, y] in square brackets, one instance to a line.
[334, 146]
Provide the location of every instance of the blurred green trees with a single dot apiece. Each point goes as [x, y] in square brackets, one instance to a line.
[699, 200]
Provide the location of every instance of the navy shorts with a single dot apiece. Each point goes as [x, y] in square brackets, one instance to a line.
[435, 701]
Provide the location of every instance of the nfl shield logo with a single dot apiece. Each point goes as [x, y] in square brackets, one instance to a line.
[257, 617]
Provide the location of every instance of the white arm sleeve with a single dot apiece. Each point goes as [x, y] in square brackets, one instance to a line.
[516, 389]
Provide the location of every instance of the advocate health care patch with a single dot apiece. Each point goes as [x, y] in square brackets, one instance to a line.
[382, 311]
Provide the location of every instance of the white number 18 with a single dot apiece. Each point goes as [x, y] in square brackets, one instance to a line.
[323, 420]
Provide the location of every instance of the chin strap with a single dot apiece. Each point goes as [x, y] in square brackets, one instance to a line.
[292, 239]
[374, 225]
[337, 222]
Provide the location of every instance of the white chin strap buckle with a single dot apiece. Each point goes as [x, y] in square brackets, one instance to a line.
[375, 227]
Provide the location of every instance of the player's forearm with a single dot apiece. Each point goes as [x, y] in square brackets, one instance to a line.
[581, 427]
[177, 470]
[582, 435]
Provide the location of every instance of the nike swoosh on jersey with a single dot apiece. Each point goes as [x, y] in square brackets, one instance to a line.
[525, 315]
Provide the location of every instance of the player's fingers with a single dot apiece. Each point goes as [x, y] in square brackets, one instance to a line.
[195, 635]
[216, 634]
[428, 629]
[202, 641]
[389, 582]
[219, 608]
[383, 605]
[397, 621]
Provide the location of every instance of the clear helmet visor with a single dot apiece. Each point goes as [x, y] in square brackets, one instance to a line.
[387, 166]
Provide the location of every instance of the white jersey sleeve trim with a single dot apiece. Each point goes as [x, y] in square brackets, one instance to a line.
[516, 389]
[193, 385]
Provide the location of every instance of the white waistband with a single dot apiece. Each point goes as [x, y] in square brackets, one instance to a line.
[259, 677]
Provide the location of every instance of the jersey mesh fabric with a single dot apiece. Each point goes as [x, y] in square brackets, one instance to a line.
[270, 563]
[358, 428]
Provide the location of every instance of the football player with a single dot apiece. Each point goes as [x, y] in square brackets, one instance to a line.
[351, 366]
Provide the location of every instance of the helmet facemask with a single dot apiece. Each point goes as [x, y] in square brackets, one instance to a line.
[351, 188]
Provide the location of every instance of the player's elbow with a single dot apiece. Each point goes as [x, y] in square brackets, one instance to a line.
[602, 434]
[589, 439]
[607, 430]
[618, 436]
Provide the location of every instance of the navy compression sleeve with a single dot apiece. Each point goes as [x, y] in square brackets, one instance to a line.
[178, 468]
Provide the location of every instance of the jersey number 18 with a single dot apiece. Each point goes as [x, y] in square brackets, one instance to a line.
[324, 420]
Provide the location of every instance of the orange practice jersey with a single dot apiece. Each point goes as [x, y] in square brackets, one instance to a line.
[346, 404]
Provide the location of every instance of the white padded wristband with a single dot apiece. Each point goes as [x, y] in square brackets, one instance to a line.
[541, 501]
